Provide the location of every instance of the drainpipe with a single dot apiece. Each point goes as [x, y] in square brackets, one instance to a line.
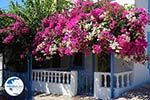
[112, 62]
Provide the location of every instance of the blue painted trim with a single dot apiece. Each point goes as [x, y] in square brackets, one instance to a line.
[112, 62]
[93, 69]
[83, 60]
[3, 67]
[148, 49]
[70, 62]
[29, 84]
[94, 63]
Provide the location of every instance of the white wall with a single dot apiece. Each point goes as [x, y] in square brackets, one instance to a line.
[123, 66]
[142, 4]
[140, 74]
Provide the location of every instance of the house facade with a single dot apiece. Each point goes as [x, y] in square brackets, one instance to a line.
[92, 74]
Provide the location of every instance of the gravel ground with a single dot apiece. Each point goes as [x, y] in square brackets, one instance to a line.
[140, 93]
[60, 97]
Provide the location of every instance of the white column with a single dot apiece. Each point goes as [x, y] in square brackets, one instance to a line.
[1, 68]
[97, 83]
[74, 83]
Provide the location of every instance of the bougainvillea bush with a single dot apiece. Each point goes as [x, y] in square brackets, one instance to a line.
[19, 25]
[15, 38]
[98, 27]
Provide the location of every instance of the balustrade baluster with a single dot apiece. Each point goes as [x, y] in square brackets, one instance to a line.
[48, 77]
[44, 76]
[128, 79]
[63, 78]
[37, 76]
[122, 80]
[55, 80]
[41, 76]
[105, 80]
[51, 77]
[117, 81]
[67, 78]
[59, 78]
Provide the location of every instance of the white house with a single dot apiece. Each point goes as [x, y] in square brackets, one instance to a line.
[91, 75]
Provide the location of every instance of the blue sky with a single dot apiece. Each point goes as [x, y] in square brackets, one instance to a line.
[5, 3]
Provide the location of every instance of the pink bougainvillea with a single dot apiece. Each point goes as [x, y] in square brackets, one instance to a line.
[96, 27]
[11, 32]
[15, 35]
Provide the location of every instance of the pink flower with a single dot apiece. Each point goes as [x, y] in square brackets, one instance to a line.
[96, 49]
[45, 22]
[97, 12]
[123, 30]
[22, 56]
[8, 39]
[25, 30]
[73, 22]
[46, 50]
[124, 14]
[112, 24]
[51, 24]
[68, 51]
[34, 52]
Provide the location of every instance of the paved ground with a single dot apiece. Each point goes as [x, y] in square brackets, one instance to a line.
[140, 93]
[60, 97]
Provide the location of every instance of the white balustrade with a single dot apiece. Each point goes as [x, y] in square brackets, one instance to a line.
[58, 82]
[102, 82]
[51, 76]
[122, 79]
[125, 79]
[104, 79]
